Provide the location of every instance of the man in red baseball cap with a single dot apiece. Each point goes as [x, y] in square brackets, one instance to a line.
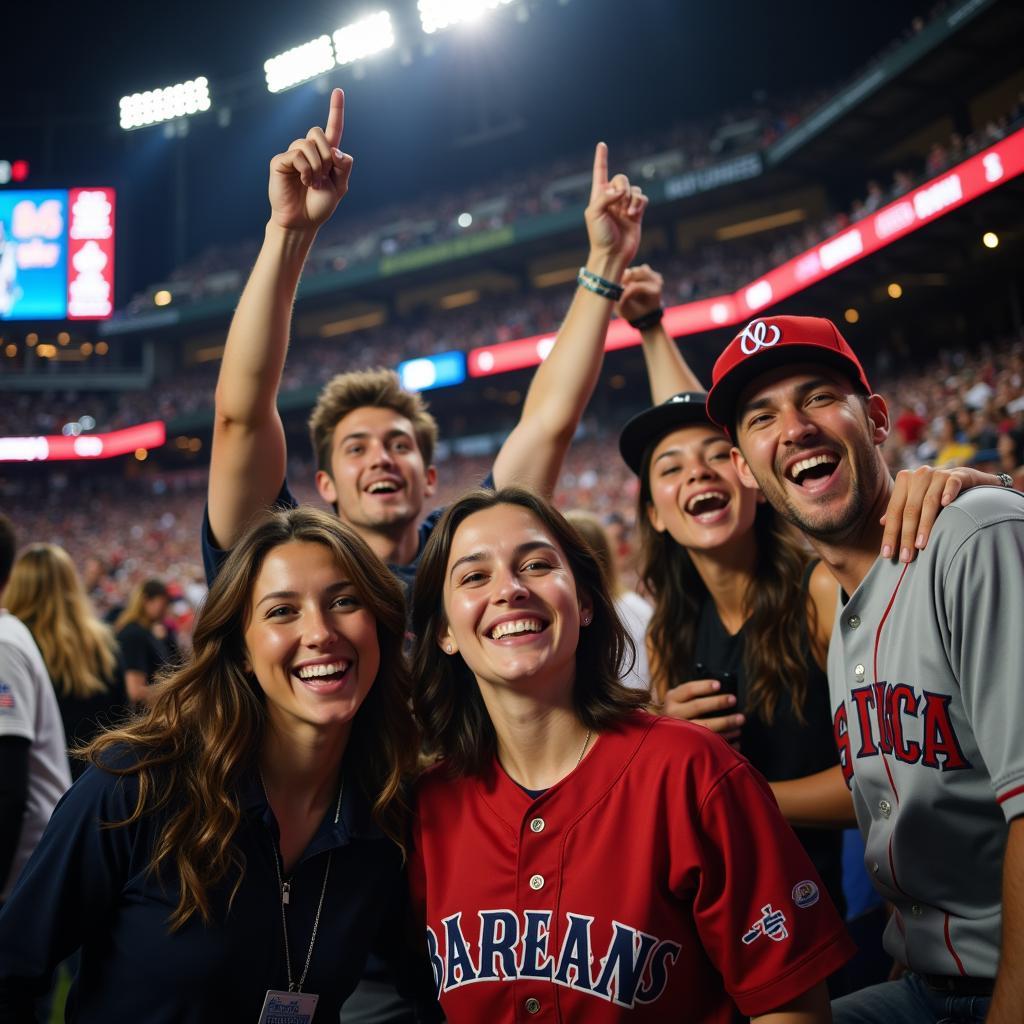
[846, 481]
[924, 670]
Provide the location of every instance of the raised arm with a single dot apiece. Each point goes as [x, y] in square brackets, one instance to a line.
[247, 461]
[532, 454]
[667, 371]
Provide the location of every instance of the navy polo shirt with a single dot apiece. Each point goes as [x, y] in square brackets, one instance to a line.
[214, 557]
[88, 886]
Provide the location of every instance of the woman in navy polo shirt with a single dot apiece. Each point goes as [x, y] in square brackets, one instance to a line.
[236, 852]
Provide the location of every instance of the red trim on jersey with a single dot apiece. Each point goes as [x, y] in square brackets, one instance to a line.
[1010, 794]
[874, 666]
[888, 771]
[949, 946]
[892, 871]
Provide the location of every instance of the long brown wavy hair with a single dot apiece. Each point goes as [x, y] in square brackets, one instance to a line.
[203, 734]
[46, 593]
[780, 616]
[446, 698]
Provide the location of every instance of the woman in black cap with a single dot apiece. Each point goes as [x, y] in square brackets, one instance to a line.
[742, 618]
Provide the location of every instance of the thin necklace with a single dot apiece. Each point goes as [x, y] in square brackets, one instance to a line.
[285, 889]
[586, 743]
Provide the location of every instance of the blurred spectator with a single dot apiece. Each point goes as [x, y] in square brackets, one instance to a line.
[632, 609]
[147, 645]
[79, 651]
[954, 450]
[33, 758]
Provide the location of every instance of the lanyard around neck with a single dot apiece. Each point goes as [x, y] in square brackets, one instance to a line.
[284, 888]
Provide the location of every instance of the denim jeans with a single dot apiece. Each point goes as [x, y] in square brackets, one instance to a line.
[908, 1001]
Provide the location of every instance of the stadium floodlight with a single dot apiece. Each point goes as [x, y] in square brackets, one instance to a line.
[156, 105]
[362, 38]
[299, 64]
[438, 14]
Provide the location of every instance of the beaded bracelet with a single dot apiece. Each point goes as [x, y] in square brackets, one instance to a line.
[599, 285]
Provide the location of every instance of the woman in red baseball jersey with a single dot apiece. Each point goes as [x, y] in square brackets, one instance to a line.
[575, 858]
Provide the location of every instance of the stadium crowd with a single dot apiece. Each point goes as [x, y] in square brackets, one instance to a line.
[708, 269]
[443, 704]
[100, 522]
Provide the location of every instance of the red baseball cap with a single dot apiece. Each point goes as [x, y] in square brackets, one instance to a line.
[773, 341]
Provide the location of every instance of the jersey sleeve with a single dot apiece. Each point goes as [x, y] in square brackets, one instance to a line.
[67, 889]
[214, 557]
[983, 599]
[763, 914]
[19, 700]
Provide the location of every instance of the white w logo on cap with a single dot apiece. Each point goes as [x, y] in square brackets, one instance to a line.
[755, 336]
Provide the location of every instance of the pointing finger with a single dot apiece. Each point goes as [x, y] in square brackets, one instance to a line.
[335, 119]
[600, 178]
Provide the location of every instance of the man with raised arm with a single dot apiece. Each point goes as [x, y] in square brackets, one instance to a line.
[373, 440]
[924, 670]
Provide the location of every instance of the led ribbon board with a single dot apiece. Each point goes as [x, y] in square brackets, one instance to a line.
[967, 181]
[85, 447]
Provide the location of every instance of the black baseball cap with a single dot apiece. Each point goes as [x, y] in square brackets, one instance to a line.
[682, 410]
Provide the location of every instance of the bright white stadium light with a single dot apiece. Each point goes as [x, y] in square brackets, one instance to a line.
[156, 105]
[438, 14]
[364, 37]
[299, 64]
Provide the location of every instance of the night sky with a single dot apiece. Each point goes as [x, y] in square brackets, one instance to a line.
[572, 73]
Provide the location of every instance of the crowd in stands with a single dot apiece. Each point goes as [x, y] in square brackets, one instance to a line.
[432, 219]
[562, 184]
[966, 408]
[707, 269]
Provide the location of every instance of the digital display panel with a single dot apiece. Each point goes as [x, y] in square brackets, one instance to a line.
[57, 254]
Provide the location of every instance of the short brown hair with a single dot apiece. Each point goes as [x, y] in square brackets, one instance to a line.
[446, 699]
[379, 387]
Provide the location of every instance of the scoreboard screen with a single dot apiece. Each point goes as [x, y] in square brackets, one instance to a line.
[57, 254]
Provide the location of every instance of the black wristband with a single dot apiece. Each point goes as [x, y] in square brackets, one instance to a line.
[648, 320]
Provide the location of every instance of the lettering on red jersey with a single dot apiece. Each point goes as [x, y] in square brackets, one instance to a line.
[896, 720]
[632, 969]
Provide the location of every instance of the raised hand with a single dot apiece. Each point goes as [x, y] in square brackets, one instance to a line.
[917, 498]
[613, 217]
[642, 292]
[308, 181]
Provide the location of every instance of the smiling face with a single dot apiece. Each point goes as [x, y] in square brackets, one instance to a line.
[309, 640]
[511, 605]
[378, 480]
[696, 495]
[810, 441]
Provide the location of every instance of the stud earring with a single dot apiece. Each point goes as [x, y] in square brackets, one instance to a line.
[586, 620]
[448, 648]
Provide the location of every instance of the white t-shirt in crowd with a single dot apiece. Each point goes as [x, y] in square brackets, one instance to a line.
[636, 613]
[28, 708]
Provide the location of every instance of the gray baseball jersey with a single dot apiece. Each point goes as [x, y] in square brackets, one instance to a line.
[926, 667]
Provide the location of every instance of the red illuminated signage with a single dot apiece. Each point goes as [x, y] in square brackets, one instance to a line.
[84, 447]
[974, 177]
[90, 253]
